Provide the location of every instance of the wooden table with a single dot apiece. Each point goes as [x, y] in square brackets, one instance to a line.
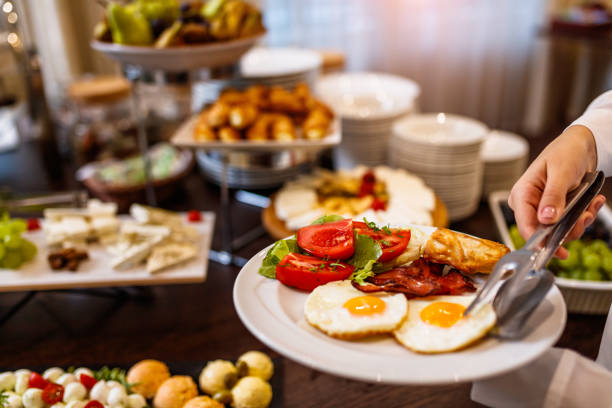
[198, 322]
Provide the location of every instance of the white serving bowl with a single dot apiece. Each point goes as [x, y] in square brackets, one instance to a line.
[262, 62]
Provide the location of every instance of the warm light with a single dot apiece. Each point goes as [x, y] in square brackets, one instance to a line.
[7, 7]
[13, 39]
[365, 305]
[442, 314]
[441, 118]
[12, 18]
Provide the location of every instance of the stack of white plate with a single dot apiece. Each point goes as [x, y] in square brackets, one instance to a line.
[505, 157]
[284, 67]
[444, 150]
[368, 104]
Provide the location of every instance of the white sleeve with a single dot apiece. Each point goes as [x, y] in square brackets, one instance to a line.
[598, 118]
[559, 378]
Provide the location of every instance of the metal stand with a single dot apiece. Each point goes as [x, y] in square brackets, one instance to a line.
[133, 74]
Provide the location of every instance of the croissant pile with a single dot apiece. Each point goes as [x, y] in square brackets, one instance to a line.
[261, 113]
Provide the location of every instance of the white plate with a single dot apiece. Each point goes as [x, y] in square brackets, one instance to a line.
[97, 272]
[274, 314]
[440, 129]
[502, 146]
[264, 62]
[361, 95]
[185, 58]
[184, 137]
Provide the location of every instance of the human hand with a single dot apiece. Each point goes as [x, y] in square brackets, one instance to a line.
[538, 197]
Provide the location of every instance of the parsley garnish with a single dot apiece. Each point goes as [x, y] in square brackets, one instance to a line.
[386, 230]
[371, 224]
[113, 374]
[337, 264]
[3, 399]
[385, 242]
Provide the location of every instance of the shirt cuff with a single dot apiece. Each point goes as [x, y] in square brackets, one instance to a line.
[599, 121]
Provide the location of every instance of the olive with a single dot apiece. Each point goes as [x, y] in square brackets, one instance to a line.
[242, 368]
[224, 397]
[230, 379]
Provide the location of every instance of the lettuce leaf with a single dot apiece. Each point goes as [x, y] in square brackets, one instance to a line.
[361, 274]
[276, 254]
[327, 218]
[367, 252]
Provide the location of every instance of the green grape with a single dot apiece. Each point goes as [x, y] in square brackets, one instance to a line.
[606, 263]
[12, 241]
[599, 246]
[593, 275]
[564, 274]
[12, 259]
[2, 251]
[572, 261]
[575, 245]
[18, 226]
[576, 273]
[591, 260]
[28, 250]
[515, 236]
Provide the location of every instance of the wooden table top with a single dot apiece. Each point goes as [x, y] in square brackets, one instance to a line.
[197, 322]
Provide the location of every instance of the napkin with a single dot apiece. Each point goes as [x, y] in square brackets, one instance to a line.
[558, 378]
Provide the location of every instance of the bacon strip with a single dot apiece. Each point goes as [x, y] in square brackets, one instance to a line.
[421, 278]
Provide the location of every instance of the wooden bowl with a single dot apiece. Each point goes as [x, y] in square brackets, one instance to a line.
[278, 230]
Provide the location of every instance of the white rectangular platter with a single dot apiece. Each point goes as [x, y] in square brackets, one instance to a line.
[184, 137]
[97, 272]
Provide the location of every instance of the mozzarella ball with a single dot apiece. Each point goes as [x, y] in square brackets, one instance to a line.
[76, 404]
[7, 381]
[52, 374]
[117, 397]
[100, 392]
[32, 398]
[147, 376]
[113, 384]
[21, 381]
[83, 370]
[74, 392]
[23, 371]
[175, 392]
[203, 402]
[258, 363]
[251, 392]
[218, 375]
[58, 405]
[136, 401]
[13, 400]
[66, 379]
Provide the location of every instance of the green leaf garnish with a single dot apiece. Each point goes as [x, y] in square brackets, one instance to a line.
[371, 224]
[327, 218]
[278, 251]
[361, 274]
[366, 249]
[113, 374]
[386, 230]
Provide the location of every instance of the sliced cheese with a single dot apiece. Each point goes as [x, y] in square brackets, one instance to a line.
[168, 255]
[294, 201]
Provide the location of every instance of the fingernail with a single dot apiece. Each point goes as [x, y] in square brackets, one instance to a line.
[548, 213]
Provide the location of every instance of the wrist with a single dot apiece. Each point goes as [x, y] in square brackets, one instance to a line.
[584, 138]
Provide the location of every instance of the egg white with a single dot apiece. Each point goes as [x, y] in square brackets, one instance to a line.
[324, 310]
[423, 337]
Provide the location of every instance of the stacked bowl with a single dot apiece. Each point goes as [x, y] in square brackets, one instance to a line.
[368, 103]
[444, 150]
[505, 157]
[285, 67]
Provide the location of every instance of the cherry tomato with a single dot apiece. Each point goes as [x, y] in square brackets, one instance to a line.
[37, 381]
[52, 393]
[94, 404]
[393, 242]
[378, 204]
[368, 180]
[88, 381]
[194, 216]
[333, 240]
[307, 272]
[33, 224]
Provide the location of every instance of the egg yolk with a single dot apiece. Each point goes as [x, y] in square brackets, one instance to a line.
[442, 314]
[365, 305]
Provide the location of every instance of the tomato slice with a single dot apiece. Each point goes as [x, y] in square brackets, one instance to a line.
[52, 393]
[88, 381]
[94, 404]
[37, 381]
[307, 272]
[392, 241]
[333, 240]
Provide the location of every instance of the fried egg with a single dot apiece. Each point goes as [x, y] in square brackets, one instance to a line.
[436, 324]
[339, 310]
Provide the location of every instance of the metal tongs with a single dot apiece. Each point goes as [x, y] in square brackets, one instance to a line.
[520, 280]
